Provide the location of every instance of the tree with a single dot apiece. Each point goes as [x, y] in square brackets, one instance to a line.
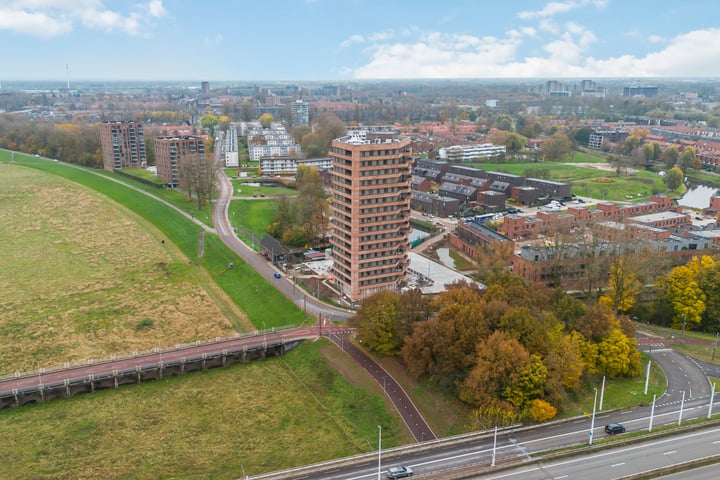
[632, 142]
[623, 286]
[514, 142]
[209, 121]
[673, 178]
[618, 355]
[541, 411]
[198, 173]
[709, 283]
[521, 324]
[500, 359]
[597, 323]
[503, 122]
[266, 120]
[375, 322]
[530, 384]
[680, 287]
[557, 147]
[687, 159]
[670, 156]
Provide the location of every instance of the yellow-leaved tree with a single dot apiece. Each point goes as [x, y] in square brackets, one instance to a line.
[682, 289]
[623, 287]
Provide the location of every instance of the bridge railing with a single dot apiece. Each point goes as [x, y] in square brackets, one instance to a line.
[143, 353]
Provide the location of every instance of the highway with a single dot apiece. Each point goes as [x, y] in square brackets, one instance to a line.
[638, 458]
[473, 453]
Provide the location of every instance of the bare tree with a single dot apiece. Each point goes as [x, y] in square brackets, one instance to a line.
[198, 174]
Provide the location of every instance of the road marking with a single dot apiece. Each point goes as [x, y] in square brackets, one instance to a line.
[617, 465]
[558, 478]
[670, 452]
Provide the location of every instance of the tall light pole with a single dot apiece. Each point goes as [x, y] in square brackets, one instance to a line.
[682, 337]
[592, 421]
[379, 450]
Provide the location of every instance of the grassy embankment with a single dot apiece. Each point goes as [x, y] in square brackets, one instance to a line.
[251, 418]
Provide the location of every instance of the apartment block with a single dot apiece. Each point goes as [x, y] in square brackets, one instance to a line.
[370, 224]
[169, 151]
[123, 145]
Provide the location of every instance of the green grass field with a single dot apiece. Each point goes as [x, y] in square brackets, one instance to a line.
[593, 182]
[220, 424]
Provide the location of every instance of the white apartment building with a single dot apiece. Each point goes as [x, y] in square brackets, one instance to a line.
[469, 153]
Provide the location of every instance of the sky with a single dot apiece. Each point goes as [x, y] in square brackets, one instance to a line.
[248, 40]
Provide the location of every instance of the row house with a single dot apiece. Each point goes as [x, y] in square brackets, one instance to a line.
[470, 236]
[434, 204]
[568, 266]
[465, 194]
[546, 222]
[549, 188]
[420, 184]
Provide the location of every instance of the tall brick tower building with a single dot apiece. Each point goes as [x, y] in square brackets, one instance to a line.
[123, 145]
[370, 224]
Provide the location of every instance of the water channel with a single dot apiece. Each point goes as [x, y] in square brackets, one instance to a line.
[697, 197]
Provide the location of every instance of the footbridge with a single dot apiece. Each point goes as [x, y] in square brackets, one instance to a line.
[23, 388]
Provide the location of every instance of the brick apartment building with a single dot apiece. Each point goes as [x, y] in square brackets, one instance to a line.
[370, 192]
[169, 151]
[123, 145]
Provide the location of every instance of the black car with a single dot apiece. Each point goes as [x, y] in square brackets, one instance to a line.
[399, 472]
[613, 428]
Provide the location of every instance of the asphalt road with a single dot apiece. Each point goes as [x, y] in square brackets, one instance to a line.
[621, 462]
[260, 264]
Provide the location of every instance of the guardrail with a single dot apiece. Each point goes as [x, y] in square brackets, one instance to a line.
[143, 353]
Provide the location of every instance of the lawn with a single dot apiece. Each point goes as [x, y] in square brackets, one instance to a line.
[225, 423]
[81, 277]
[591, 182]
[185, 234]
[252, 215]
[260, 188]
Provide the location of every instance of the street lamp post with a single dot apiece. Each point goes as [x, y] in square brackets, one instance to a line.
[592, 421]
[379, 450]
[682, 337]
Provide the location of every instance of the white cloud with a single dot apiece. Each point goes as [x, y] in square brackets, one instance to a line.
[439, 55]
[554, 8]
[48, 18]
[38, 24]
[156, 9]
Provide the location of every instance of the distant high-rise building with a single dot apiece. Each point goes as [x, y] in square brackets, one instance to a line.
[123, 145]
[300, 113]
[370, 191]
[642, 91]
[205, 87]
[169, 151]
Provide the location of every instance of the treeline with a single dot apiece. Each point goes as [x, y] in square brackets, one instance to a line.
[69, 142]
[512, 351]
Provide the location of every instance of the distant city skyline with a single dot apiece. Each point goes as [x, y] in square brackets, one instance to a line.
[178, 40]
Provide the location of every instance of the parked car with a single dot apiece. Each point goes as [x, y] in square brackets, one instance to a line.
[399, 472]
[613, 428]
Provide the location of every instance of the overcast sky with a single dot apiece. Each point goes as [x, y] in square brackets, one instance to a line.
[357, 39]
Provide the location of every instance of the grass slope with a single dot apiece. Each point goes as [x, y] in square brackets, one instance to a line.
[223, 423]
